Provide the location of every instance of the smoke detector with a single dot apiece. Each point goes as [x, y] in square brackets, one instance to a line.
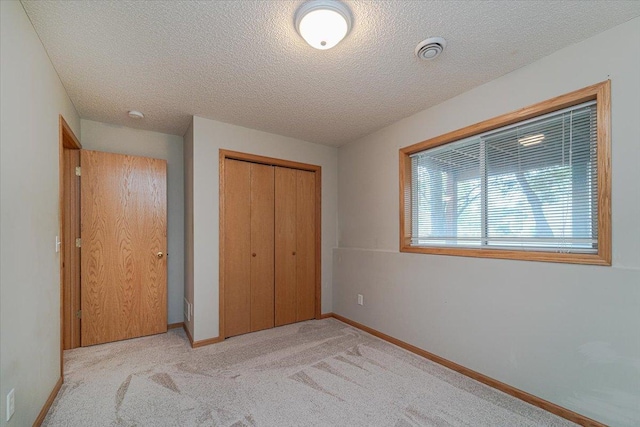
[430, 48]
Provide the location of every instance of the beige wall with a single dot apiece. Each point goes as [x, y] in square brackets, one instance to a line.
[136, 142]
[32, 97]
[208, 137]
[566, 333]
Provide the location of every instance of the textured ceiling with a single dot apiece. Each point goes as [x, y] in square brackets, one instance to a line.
[242, 62]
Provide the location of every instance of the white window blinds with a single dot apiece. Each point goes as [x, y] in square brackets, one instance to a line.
[532, 185]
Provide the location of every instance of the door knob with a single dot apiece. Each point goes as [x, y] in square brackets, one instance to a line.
[159, 255]
[253, 254]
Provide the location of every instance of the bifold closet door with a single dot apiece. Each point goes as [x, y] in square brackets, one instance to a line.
[294, 245]
[305, 245]
[285, 271]
[249, 247]
[262, 250]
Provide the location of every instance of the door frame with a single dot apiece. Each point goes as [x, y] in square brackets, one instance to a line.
[67, 140]
[252, 158]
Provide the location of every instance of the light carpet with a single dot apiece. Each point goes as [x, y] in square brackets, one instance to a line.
[315, 373]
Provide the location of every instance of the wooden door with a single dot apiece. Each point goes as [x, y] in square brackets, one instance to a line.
[305, 245]
[285, 246]
[248, 242]
[262, 247]
[237, 245]
[295, 221]
[124, 240]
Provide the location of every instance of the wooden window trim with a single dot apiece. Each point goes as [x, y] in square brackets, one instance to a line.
[601, 93]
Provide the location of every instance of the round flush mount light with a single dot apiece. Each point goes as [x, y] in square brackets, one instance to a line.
[430, 48]
[323, 23]
[134, 114]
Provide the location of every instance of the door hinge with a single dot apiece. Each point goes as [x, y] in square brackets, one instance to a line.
[78, 171]
[78, 242]
[79, 314]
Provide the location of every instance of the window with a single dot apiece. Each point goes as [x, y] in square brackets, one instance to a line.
[533, 184]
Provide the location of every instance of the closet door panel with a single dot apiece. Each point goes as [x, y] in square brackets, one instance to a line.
[237, 244]
[262, 247]
[285, 246]
[305, 244]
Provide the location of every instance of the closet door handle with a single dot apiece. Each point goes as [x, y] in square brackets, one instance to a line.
[293, 253]
[253, 254]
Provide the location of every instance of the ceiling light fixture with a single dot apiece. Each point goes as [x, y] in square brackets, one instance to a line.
[136, 115]
[323, 23]
[531, 140]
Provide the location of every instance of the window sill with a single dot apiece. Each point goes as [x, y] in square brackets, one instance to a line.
[568, 258]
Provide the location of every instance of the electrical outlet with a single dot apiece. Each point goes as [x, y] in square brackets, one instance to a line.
[11, 403]
[360, 299]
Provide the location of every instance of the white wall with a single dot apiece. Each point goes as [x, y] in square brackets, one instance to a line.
[208, 137]
[136, 142]
[567, 333]
[32, 97]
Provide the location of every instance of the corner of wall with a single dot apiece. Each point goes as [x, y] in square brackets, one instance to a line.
[188, 228]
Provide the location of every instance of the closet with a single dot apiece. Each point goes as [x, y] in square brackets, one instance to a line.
[269, 245]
